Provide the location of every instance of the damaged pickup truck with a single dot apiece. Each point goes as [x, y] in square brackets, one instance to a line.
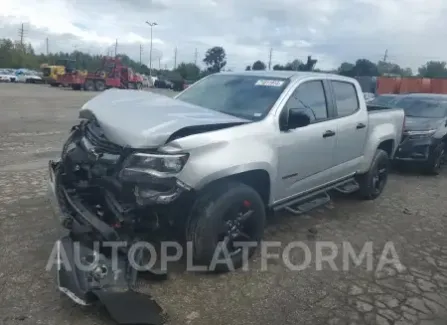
[213, 161]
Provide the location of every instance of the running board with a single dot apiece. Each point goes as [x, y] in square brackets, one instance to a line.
[348, 188]
[306, 206]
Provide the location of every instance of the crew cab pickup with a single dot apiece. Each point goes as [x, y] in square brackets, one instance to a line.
[220, 155]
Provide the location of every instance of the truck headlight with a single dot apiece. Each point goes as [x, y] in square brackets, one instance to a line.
[420, 134]
[155, 164]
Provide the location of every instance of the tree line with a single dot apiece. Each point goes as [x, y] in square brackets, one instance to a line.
[15, 55]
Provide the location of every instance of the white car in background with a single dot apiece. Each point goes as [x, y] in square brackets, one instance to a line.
[369, 97]
[7, 76]
[28, 77]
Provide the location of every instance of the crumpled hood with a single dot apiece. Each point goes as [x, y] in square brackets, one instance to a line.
[421, 123]
[141, 119]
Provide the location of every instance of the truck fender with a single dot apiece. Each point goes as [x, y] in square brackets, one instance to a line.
[382, 137]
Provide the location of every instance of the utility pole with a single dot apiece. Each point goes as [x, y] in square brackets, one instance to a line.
[22, 33]
[195, 57]
[270, 59]
[385, 56]
[141, 52]
[116, 47]
[175, 58]
[46, 41]
[159, 63]
[152, 24]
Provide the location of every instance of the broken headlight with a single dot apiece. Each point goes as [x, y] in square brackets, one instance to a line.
[158, 165]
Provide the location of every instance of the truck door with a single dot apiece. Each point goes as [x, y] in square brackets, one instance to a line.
[352, 127]
[306, 153]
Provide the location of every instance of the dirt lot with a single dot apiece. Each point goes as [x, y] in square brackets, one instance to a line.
[412, 213]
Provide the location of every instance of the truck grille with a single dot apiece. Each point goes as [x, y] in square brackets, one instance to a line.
[94, 134]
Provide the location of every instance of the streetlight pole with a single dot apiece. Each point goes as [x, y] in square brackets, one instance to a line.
[151, 24]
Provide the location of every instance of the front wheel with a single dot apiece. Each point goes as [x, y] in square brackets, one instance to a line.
[224, 219]
[373, 182]
[435, 161]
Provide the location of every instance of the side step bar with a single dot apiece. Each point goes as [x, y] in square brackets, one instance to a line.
[307, 202]
[306, 206]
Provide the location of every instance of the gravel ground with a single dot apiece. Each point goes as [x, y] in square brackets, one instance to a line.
[412, 214]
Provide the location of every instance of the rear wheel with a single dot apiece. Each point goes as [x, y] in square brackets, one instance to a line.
[224, 216]
[89, 85]
[100, 85]
[373, 182]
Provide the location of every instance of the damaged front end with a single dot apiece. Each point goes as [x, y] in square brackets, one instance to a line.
[106, 194]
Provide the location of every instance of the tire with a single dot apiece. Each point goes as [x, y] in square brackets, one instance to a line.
[373, 182]
[89, 85]
[100, 85]
[435, 161]
[76, 87]
[139, 86]
[130, 85]
[210, 218]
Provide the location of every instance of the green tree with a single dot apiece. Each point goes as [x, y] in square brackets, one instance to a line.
[433, 69]
[346, 69]
[188, 71]
[215, 59]
[247, 68]
[258, 65]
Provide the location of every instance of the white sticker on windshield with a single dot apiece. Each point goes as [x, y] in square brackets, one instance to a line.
[269, 83]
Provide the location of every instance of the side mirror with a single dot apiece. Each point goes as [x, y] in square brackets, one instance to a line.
[297, 119]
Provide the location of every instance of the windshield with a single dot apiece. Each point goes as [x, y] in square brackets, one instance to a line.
[244, 96]
[384, 100]
[423, 107]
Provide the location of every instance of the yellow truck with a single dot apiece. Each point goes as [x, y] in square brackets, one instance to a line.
[51, 72]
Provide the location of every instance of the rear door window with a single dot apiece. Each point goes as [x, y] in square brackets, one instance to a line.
[346, 98]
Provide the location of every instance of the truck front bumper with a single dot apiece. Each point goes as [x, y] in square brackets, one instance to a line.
[86, 275]
[415, 150]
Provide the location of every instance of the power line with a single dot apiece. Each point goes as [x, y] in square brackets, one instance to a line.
[22, 33]
[385, 55]
[175, 57]
[141, 52]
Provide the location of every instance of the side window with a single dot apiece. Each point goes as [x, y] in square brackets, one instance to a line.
[311, 98]
[346, 98]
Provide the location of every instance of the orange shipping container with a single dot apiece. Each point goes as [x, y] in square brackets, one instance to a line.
[438, 86]
[426, 85]
[386, 85]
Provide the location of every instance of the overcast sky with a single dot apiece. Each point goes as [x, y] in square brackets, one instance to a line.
[332, 31]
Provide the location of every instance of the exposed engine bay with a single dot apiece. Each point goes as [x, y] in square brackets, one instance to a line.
[95, 171]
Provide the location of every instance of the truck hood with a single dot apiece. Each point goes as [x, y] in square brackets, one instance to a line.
[140, 119]
[421, 123]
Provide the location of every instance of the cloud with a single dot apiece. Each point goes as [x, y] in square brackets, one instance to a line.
[332, 31]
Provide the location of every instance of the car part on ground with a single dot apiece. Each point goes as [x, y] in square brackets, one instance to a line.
[214, 159]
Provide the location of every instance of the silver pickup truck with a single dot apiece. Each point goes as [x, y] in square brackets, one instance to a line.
[215, 159]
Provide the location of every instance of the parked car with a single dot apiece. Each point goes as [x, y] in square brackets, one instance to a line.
[368, 96]
[386, 100]
[425, 132]
[213, 160]
[7, 76]
[28, 77]
[163, 83]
